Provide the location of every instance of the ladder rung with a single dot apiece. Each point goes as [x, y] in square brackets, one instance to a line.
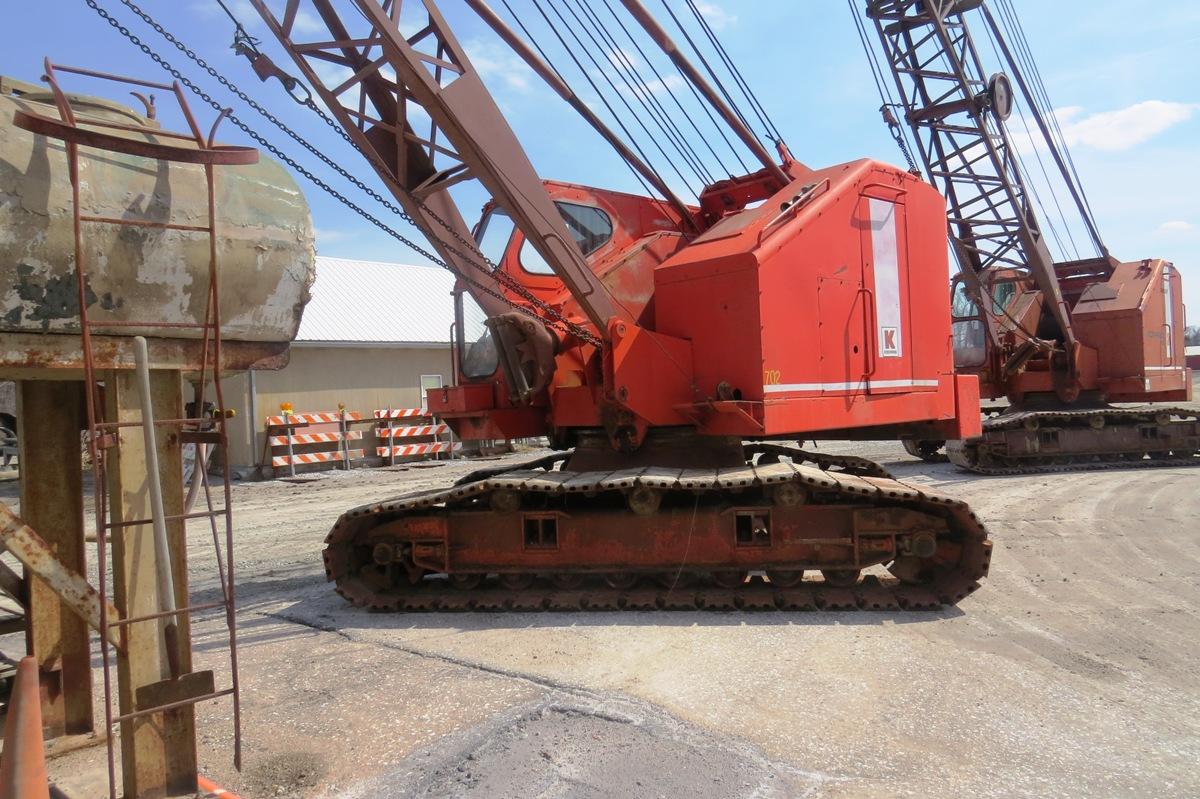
[172, 706]
[171, 518]
[113, 220]
[109, 425]
[163, 614]
[200, 437]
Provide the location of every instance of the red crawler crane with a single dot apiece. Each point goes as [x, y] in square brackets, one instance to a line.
[1061, 340]
[661, 346]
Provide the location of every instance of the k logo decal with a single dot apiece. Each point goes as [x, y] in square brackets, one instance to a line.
[889, 342]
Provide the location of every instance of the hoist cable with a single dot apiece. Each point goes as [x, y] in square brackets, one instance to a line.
[711, 72]
[667, 87]
[603, 73]
[650, 192]
[738, 78]
[1012, 26]
[636, 84]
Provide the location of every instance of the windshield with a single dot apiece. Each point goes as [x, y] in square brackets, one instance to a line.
[495, 229]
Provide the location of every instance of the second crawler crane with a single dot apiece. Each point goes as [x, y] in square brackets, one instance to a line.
[1061, 340]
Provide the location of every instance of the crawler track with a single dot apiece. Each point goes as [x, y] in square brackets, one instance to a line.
[434, 542]
[1033, 442]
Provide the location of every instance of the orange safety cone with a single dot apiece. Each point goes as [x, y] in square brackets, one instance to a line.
[23, 765]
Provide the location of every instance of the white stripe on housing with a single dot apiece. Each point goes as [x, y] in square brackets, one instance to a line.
[1164, 368]
[782, 388]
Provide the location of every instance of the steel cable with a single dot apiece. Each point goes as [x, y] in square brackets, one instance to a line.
[644, 93]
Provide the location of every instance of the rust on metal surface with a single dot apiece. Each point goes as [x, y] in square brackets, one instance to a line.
[50, 418]
[56, 128]
[35, 554]
[37, 356]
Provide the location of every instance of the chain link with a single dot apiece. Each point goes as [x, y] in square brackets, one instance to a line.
[556, 319]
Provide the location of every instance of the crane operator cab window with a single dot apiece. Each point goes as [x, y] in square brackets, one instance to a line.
[970, 335]
[590, 227]
[477, 352]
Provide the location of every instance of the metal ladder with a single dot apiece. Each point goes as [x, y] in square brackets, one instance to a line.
[196, 427]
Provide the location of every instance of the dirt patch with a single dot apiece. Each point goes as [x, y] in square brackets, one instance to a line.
[285, 775]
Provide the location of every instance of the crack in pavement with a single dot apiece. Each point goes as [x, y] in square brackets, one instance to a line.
[600, 744]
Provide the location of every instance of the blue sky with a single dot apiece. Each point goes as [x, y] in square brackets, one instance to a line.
[1126, 83]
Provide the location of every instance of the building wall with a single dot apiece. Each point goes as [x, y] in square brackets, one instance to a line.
[318, 377]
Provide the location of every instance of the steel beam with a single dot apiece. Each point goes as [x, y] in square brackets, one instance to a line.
[158, 751]
[68, 585]
[50, 417]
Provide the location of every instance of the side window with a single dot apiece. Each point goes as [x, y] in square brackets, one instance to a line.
[963, 305]
[478, 351]
[1002, 294]
[495, 230]
[590, 227]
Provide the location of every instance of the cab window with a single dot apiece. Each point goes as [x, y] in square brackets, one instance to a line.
[1002, 294]
[968, 331]
[495, 230]
[590, 227]
[963, 305]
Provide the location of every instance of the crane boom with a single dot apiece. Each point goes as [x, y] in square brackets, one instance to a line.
[957, 116]
[1062, 339]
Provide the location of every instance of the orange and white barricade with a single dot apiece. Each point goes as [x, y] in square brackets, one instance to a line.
[396, 427]
[300, 439]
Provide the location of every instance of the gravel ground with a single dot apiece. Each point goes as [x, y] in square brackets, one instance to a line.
[1071, 673]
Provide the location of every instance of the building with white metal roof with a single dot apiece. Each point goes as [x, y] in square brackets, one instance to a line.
[369, 302]
[373, 336]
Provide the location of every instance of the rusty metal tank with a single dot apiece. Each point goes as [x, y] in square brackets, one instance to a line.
[265, 244]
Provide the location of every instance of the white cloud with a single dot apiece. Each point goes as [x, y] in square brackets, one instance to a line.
[1175, 227]
[1124, 128]
[717, 17]
[494, 61]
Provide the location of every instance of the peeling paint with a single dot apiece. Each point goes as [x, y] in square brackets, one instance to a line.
[265, 245]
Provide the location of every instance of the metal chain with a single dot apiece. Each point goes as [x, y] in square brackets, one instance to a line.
[889, 119]
[491, 270]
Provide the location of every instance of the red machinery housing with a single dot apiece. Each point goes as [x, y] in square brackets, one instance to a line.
[816, 314]
[1128, 318]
